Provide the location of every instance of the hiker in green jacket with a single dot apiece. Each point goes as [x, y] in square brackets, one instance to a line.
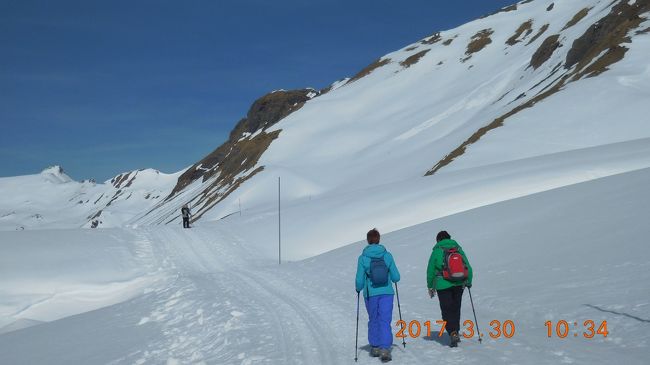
[448, 273]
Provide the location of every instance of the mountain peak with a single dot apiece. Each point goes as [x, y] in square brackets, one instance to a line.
[55, 174]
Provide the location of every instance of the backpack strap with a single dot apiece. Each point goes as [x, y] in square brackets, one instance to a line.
[367, 289]
[367, 272]
[445, 253]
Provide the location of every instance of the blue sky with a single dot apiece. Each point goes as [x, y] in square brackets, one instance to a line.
[101, 87]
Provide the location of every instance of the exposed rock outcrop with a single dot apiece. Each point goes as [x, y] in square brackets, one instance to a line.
[413, 59]
[368, 69]
[232, 163]
[604, 39]
[435, 38]
[526, 27]
[265, 112]
[576, 18]
[478, 42]
[538, 34]
[545, 51]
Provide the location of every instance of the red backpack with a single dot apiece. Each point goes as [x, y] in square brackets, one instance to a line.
[453, 267]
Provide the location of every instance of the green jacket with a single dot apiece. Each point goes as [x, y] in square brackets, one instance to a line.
[434, 269]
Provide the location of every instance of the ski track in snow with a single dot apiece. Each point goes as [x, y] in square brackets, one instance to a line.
[261, 313]
[215, 298]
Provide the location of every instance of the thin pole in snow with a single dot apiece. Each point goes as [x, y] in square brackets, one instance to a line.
[279, 227]
[240, 207]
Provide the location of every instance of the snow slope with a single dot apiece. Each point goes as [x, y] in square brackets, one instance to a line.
[370, 141]
[325, 222]
[214, 300]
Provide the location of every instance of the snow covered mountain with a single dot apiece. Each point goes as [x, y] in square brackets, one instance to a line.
[538, 81]
[535, 79]
[52, 199]
[524, 134]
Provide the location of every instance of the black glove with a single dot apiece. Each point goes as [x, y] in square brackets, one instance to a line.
[468, 285]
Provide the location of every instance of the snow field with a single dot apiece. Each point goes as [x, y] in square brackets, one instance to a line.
[50, 274]
[217, 299]
[328, 221]
[551, 208]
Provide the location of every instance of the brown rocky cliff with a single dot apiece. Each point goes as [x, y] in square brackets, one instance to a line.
[227, 159]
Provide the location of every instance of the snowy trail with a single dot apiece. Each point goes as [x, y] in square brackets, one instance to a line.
[210, 300]
[266, 313]
[213, 299]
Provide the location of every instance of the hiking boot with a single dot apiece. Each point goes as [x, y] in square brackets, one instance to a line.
[375, 352]
[455, 339]
[385, 355]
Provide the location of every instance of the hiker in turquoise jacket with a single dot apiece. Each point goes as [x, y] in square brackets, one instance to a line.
[379, 300]
[450, 293]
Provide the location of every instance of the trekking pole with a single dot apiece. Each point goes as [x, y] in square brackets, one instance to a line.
[475, 320]
[399, 310]
[356, 342]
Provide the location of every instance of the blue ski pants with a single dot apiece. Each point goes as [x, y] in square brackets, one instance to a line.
[380, 314]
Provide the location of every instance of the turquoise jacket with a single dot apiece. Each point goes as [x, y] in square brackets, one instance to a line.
[362, 282]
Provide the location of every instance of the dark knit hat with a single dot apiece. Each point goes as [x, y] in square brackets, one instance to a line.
[373, 236]
[442, 235]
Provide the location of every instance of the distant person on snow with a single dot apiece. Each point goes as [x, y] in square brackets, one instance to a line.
[448, 273]
[185, 212]
[376, 271]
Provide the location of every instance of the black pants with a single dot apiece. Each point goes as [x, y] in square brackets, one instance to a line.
[186, 222]
[450, 301]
